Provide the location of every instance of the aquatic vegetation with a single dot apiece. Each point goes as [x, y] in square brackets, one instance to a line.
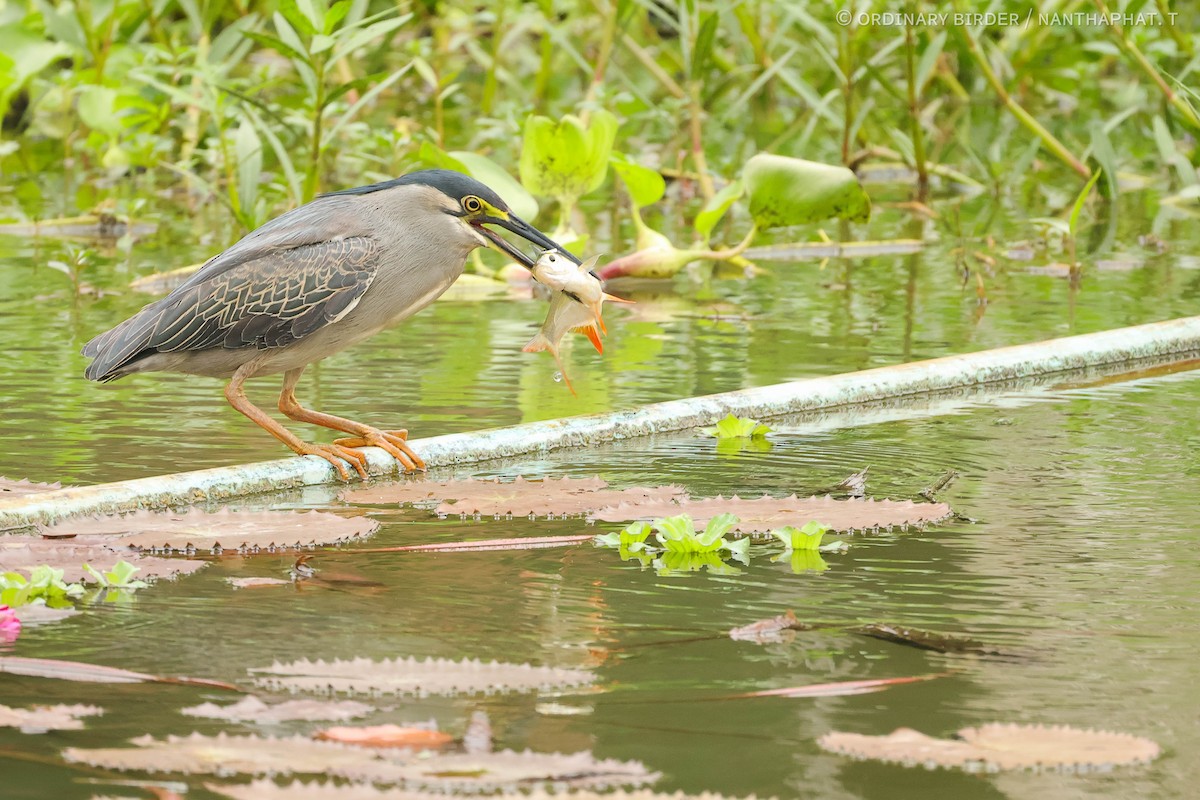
[765, 514]
[263, 789]
[69, 555]
[253, 709]
[505, 771]
[409, 738]
[218, 531]
[224, 754]
[81, 672]
[677, 534]
[566, 159]
[735, 427]
[44, 583]
[409, 676]
[1000, 746]
[806, 537]
[10, 487]
[40, 719]
[256, 582]
[769, 630]
[119, 577]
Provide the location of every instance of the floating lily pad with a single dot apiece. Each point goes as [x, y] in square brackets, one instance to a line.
[410, 676]
[505, 771]
[40, 719]
[252, 709]
[195, 530]
[999, 746]
[10, 487]
[227, 755]
[23, 553]
[322, 790]
[768, 513]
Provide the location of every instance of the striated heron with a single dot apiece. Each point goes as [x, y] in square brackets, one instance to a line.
[310, 283]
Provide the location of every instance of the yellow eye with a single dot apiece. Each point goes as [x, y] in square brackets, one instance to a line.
[472, 204]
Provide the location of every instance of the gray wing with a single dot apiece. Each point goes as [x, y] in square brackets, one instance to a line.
[271, 299]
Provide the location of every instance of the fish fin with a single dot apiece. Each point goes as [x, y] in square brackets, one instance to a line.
[590, 332]
[612, 298]
[539, 343]
[563, 371]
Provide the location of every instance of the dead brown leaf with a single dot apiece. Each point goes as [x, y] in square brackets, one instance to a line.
[768, 513]
[252, 709]
[256, 582]
[506, 771]
[40, 719]
[999, 746]
[228, 755]
[409, 676]
[195, 530]
[23, 553]
[10, 487]
[386, 736]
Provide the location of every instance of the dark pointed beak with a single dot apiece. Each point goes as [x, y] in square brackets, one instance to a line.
[520, 227]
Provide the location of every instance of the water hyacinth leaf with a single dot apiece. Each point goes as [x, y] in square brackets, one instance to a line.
[409, 676]
[767, 513]
[645, 186]
[999, 746]
[226, 755]
[714, 210]
[631, 538]
[716, 528]
[806, 537]
[566, 159]
[734, 427]
[791, 191]
[253, 709]
[387, 736]
[504, 771]
[40, 719]
[216, 531]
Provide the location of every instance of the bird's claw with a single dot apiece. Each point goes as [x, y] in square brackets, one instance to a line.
[338, 455]
[393, 442]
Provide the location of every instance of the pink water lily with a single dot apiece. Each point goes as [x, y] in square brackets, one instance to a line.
[10, 625]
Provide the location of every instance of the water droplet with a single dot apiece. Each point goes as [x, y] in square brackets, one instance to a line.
[558, 376]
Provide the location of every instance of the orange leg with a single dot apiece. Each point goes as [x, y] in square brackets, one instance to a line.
[393, 442]
[336, 454]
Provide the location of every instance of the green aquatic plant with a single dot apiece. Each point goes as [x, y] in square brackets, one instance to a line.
[680, 548]
[44, 583]
[735, 427]
[807, 537]
[566, 159]
[119, 577]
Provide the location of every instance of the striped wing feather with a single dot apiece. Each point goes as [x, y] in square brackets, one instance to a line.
[270, 301]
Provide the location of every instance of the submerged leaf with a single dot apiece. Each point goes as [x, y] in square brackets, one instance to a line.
[505, 771]
[767, 513]
[226, 755]
[999, 746]
[252, 709]
[243, 531]
[410, 676]
[766, 630]
[40, 719]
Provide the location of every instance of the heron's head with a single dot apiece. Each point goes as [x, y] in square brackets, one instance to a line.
[471, 208]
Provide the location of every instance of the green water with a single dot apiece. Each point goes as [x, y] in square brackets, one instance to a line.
[1081, 555]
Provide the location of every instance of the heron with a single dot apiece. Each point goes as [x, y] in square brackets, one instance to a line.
[311, 283]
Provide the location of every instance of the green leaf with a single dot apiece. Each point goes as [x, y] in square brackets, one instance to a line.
[122, 574]
[564, 159]
[96, 574]
[645, 186]
[715, 208]
[248, 148]
[676, 529]
[336, 13]
[732, 427]
[97, 109]
[1080, 199]
[807, 537]
[277, 44]
[717, 527]
[791, 191]
[705, 40]
[486, 171]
